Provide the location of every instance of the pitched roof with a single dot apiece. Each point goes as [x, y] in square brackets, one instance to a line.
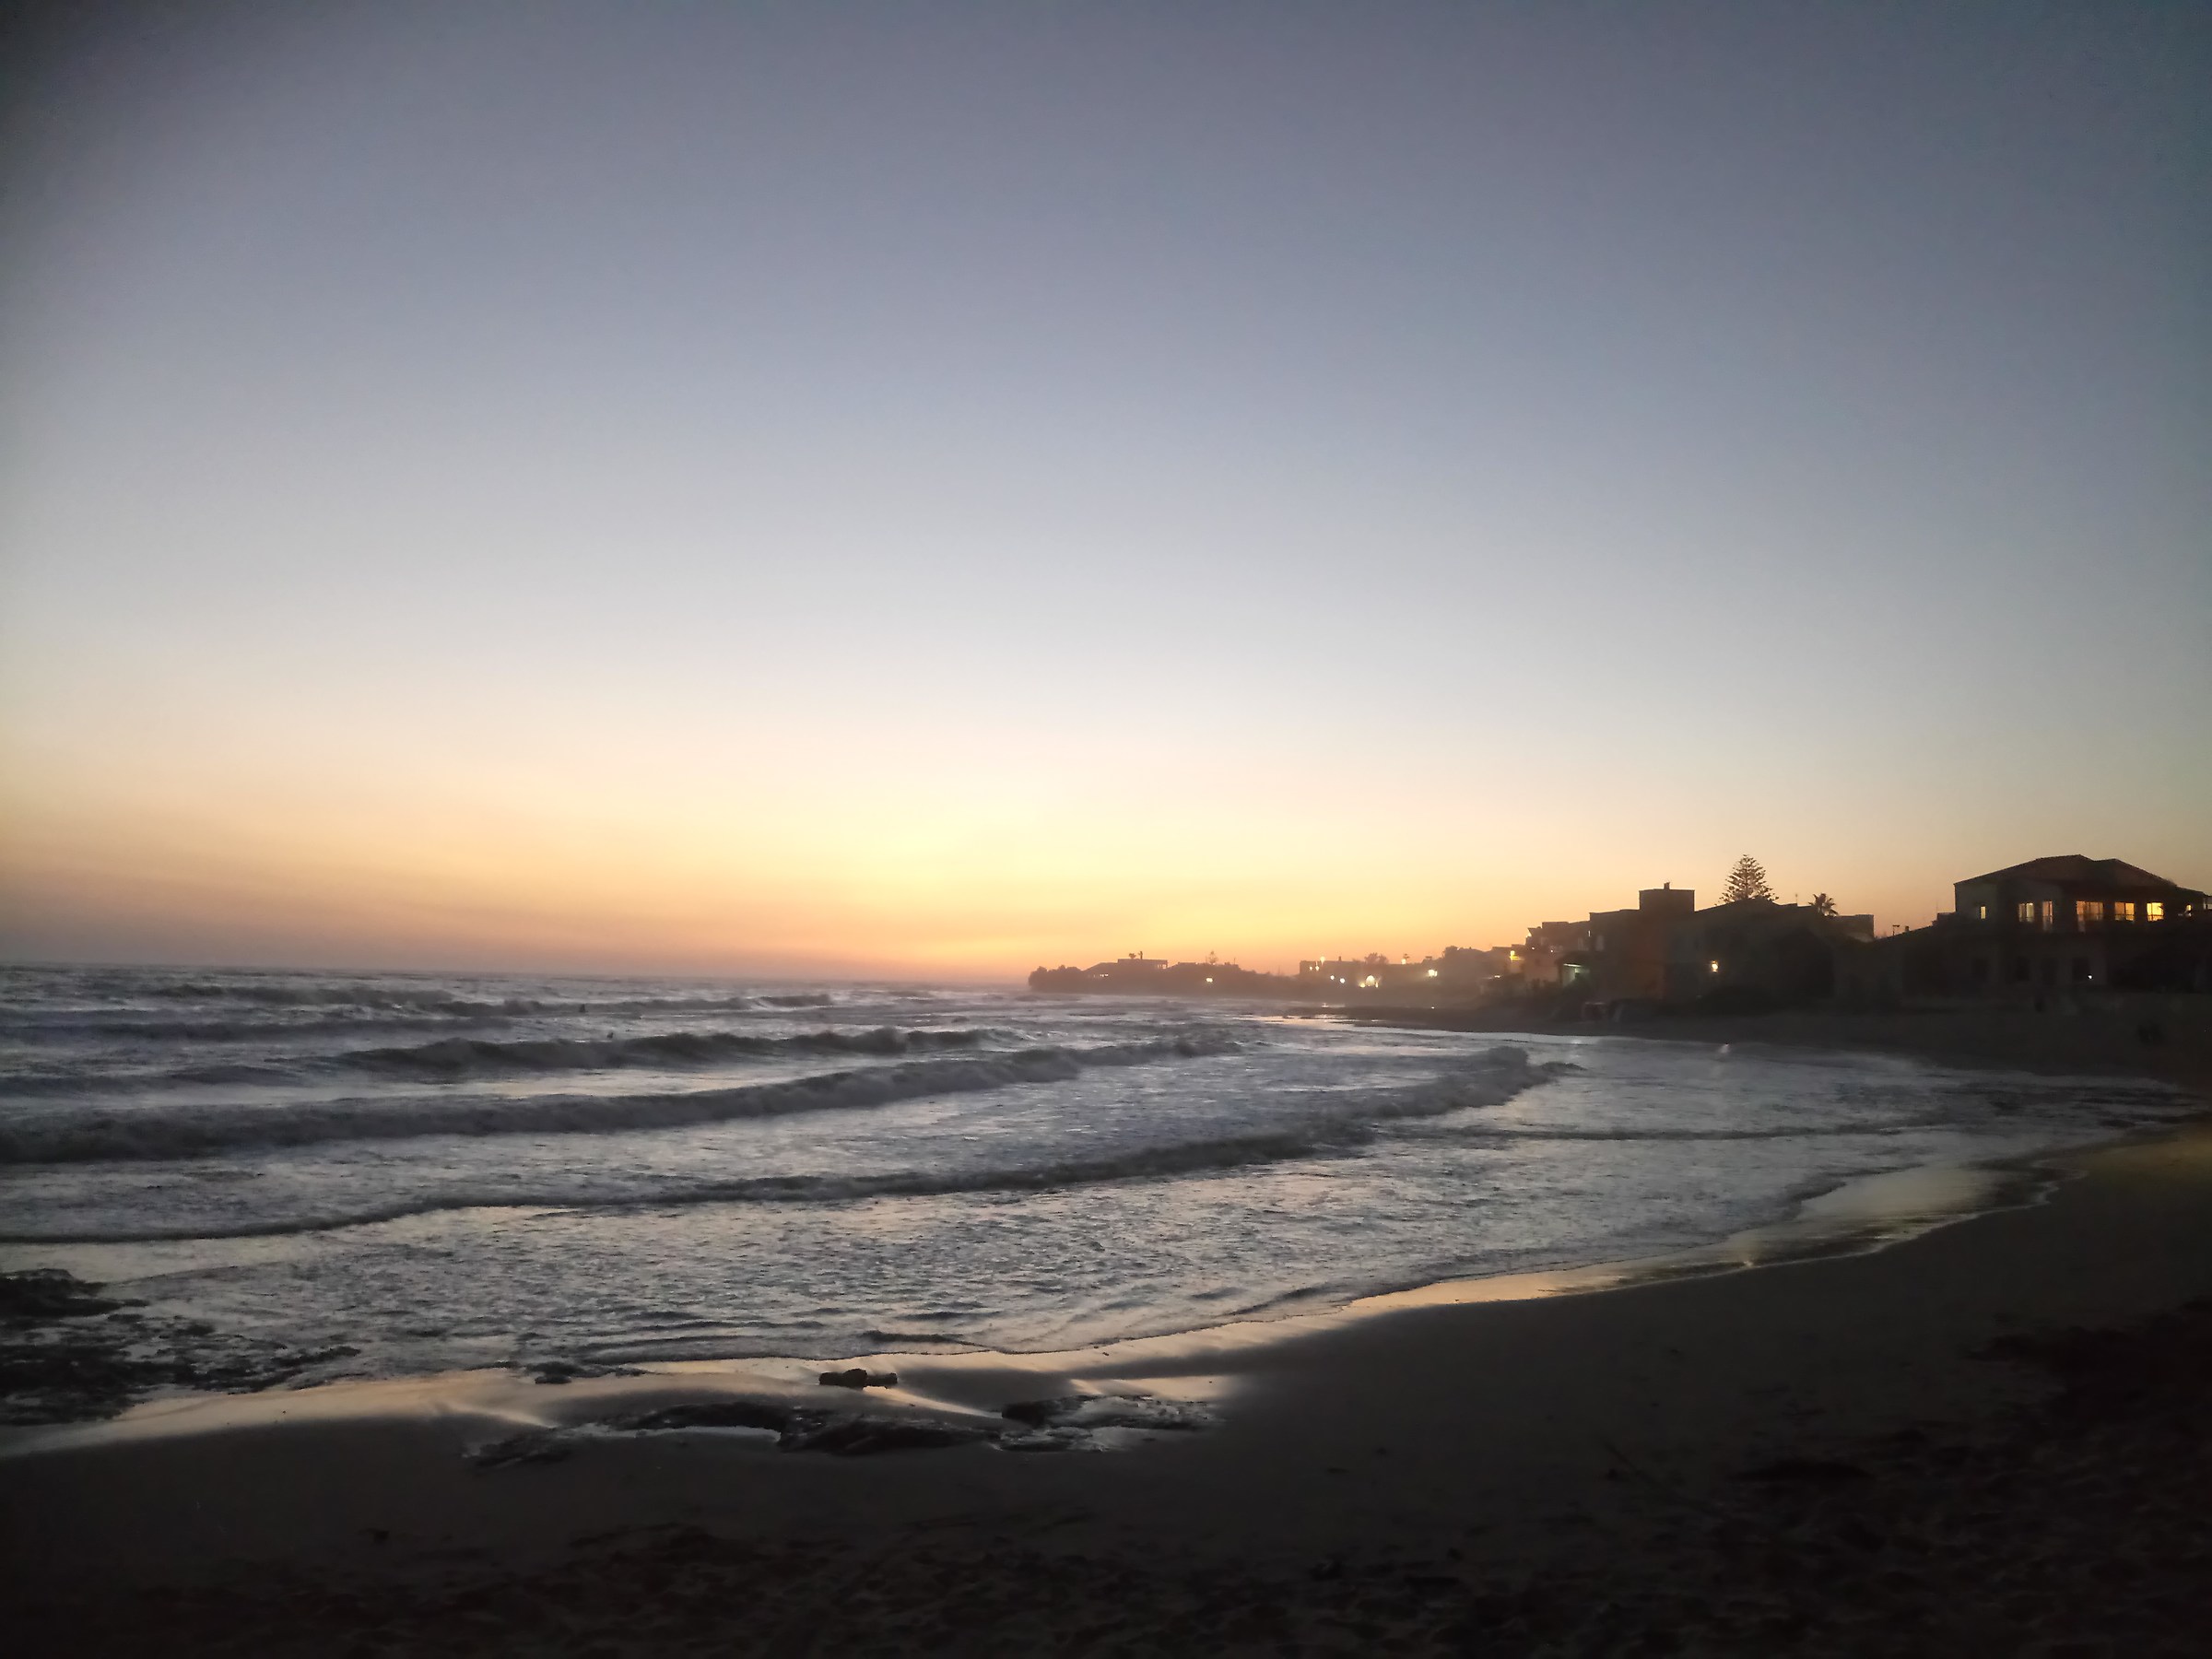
[2076, 866]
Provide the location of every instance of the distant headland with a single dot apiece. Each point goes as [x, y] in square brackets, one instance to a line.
[1458, 972]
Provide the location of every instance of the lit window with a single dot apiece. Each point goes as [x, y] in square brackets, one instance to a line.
[1981, 913]
[2124, 910]
[2154, 910]
[2089, 912]
[2048, 913]
[2028, 913]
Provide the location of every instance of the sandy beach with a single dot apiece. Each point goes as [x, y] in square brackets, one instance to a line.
[1990, 1436]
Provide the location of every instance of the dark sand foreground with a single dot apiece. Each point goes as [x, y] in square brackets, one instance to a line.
[1994, 1438]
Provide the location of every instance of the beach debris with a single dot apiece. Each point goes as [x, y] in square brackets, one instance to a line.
[711, 1414]
[796, 1429]
[859, 1377]
[556, 1371]
[862, 1436]
[1037, 1413]
[1070, 1423]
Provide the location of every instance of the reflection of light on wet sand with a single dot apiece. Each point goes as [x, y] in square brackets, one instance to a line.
[1859, 1215]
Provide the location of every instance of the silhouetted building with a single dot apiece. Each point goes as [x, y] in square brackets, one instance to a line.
[1463, 968]
[1627, 948]
[1757, 953]
[1375, 972]
[1556, 954]
[2066, 923]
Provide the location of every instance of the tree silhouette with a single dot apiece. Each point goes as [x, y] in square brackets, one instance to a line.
[1824, 906]
[1747, 880]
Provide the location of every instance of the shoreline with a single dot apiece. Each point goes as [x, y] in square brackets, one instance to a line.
[1432, 1466]
[2093, 1037]
[973, 1387]
[1866, 1212]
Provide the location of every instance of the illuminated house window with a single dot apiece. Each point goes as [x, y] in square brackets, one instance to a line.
[2154, 911]
[1981, 913]
[2124, 910]
[2047, 914]
[2089, 912]
[2028, 913]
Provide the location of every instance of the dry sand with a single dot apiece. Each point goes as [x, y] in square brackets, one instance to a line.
[1994, 1438]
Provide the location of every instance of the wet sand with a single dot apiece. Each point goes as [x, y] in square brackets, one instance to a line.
[1916, 1450]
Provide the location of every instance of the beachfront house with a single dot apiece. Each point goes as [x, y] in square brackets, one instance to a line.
[2066, 922]
[1556, 953]
[1628, 948]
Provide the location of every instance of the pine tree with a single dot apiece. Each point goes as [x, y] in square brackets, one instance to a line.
[1747, 880]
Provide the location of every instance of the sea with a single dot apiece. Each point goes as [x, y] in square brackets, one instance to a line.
[420, 1174]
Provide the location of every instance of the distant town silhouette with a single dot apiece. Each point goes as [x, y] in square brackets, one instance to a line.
[2036, 933]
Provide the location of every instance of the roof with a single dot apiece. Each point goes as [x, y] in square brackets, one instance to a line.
[2077, 867]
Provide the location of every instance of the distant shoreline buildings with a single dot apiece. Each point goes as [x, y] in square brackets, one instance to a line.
[2027, 933]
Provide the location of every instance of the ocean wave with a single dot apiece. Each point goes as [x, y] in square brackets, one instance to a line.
[183, 1131]
[1493, 1078]
[431, 999]
[457, 1057]
[358, 995]
[694, 1004]
[1518, 1134]
[66, 1026]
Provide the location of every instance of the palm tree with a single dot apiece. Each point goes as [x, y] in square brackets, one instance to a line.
[1824, 906]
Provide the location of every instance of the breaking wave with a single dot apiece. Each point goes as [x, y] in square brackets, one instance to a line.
[1498, 1077]
[66, 1026]
[177, 1131]
[458, 1057]
[347, 995]
[375, 996]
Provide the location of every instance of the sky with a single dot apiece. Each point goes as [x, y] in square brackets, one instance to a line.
[938, 489]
